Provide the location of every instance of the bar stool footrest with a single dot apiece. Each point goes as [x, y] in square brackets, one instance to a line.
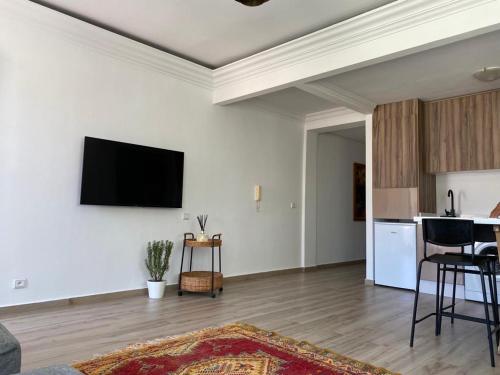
[425, 317]
[466, 317]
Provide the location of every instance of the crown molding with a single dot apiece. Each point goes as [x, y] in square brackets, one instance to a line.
[105, 42]
[337, 95]
[397, 29]
[332, 117]
[356, 30]
[327, 47]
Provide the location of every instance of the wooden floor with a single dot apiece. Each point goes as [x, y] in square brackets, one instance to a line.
[329, 307]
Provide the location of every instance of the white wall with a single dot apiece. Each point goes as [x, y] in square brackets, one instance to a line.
[339, 237]
[53, 92]
[309, 199]
[475, 192]
[369, 197]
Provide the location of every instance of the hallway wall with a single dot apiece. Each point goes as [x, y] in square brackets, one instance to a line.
[339, 238]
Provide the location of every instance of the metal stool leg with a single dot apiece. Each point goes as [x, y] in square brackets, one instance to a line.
[436, 329]
[440, 317]
[487, 316]
[179, 290]
[454, 293]
[415, 303]
[491, 293]
[495, 292]
[213, 278]
[493, 296]
[191, 261]
[220, 265]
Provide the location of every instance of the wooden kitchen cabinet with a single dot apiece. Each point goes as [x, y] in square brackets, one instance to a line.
[395, 144]
[401, 186]
[463, 133]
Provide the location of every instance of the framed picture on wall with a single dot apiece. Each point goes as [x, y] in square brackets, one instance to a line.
[359, 192]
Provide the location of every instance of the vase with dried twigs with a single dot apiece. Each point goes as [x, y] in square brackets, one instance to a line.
[202, 221]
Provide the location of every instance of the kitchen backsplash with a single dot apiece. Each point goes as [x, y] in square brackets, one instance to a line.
[475, 192]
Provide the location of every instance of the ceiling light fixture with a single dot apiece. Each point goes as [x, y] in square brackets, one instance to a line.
[252, 3]
[488, 74]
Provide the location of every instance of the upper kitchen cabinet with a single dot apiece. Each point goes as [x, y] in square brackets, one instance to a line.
[463, 133]
[395, 144]
[402, 188]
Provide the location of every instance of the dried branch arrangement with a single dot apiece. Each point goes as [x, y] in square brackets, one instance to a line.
[202, 220]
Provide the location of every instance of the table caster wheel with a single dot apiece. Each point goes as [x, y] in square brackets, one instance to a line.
[221, 289]
[213, 295]
[179, 294]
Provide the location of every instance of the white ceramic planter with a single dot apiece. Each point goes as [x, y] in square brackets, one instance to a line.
[156, 289]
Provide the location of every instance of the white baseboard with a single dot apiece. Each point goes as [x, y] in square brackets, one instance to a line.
[429, 287]
[476, 296]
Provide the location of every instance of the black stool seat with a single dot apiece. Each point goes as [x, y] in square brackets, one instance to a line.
[487, 255]
[456, 259]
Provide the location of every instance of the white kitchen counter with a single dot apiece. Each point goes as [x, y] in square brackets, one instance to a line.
[477, 219]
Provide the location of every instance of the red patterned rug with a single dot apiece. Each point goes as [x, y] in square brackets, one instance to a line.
[236, 349]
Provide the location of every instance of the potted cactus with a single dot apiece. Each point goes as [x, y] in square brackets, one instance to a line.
[157, 264]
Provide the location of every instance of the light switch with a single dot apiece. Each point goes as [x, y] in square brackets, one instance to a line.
[186, 216]
[293, 205]
[19, 283]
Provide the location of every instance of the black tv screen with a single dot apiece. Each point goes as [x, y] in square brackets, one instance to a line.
[123, 174]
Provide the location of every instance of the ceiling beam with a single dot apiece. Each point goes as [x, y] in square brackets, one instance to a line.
[397, 29]
[337, 96]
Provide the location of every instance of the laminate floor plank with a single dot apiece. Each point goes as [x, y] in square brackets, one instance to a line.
[329, 307]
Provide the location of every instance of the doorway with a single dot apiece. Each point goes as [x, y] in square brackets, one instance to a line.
[340, 186]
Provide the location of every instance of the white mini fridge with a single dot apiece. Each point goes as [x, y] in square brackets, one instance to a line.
[396, 254]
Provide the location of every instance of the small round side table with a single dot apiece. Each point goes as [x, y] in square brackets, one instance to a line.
[201, 281]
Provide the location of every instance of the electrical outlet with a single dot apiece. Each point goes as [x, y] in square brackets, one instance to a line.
[19, 283]
[186, 216]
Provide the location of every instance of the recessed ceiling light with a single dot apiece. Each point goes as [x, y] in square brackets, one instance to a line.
[488, 74]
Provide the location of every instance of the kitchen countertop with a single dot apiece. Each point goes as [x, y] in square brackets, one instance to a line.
[402, 221]
[477, 219]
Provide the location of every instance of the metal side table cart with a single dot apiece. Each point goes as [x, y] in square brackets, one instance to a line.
[201, 281]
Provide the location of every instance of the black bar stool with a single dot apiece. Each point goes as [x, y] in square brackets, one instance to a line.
[484, 233]
[455, 233]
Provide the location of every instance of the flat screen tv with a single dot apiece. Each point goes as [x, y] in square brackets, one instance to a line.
[124, 174]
